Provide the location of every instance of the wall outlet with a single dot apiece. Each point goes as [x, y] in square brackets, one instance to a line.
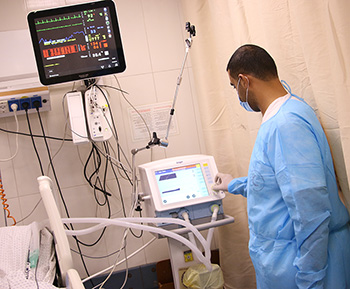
[25, 98]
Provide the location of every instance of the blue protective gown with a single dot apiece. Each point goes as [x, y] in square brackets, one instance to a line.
[299, 228]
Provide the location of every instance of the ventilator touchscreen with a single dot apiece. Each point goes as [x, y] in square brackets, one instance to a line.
[181, 183]
[174, 185]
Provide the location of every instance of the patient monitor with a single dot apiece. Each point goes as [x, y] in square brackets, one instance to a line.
[176, 185]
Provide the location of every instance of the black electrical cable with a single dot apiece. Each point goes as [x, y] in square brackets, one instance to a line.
[96, 188]
[33, 142]
[119, 188]
[120, 193]
[106, 147]
[116, 88]
[86, 164]
[115, 175]
[94, 150]
[95, 156]
[115, 132]
[118, 183]
[102, 153]
[99, 257]
[106, 169]
[121, 165]
[119, 158]
[58, 185]
[34, 135]
[51, 164]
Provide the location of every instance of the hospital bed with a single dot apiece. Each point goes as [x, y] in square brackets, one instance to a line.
[34, 256]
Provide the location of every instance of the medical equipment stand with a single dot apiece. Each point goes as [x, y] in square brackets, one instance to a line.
[180, 255]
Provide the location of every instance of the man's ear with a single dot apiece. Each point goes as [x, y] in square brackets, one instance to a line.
[244, 80]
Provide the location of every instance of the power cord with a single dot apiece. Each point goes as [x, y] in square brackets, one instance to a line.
[97, 185]
[115, 134]
[25, 105]
[35, 135]
[14, 107]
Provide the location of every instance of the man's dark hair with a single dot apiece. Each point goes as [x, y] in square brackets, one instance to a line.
[254, 60]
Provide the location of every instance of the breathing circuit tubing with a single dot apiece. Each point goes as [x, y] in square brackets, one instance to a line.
[129, 223]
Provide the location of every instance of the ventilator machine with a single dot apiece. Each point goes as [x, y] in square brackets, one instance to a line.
[181, 188]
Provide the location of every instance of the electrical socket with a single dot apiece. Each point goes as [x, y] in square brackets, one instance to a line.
[34, 99]
[43, 97]
[10, 102]
[23, 102]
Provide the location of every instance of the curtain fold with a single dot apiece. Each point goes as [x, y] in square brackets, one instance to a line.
[310, 43]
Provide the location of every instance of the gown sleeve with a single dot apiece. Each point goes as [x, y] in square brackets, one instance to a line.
[238, 186]
[294, 152]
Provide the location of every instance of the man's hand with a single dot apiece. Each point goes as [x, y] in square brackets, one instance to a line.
[221, 182]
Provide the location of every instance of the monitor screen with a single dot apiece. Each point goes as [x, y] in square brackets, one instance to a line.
[181, 184]
[178, 182]
[76, 42]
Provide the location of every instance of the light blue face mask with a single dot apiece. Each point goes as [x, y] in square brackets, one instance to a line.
[245, 103]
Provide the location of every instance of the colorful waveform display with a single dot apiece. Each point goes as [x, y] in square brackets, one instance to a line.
[70, 38]
[74, 48]
[63, 50]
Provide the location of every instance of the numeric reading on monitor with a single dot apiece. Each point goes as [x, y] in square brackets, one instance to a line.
[85, 35]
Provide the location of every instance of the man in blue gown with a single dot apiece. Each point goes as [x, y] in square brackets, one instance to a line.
[299, 228]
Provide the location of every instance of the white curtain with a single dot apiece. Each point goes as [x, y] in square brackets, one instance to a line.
[310, 42]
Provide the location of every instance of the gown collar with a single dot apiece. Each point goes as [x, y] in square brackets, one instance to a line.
[275, 106]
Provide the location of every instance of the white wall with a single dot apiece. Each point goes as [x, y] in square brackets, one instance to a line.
[153, 37]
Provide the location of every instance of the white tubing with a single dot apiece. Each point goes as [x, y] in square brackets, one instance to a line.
[190, 234]
[156, 230]
[183, 223]
[215, 209]
[155, 221]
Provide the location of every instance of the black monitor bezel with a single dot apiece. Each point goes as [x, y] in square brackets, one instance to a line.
[69, 9]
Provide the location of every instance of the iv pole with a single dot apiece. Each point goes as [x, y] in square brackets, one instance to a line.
[155, 140]
[192, 30]
[176, 249]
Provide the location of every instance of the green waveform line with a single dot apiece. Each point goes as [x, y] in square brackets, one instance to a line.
[58, 27]
[58, 20]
